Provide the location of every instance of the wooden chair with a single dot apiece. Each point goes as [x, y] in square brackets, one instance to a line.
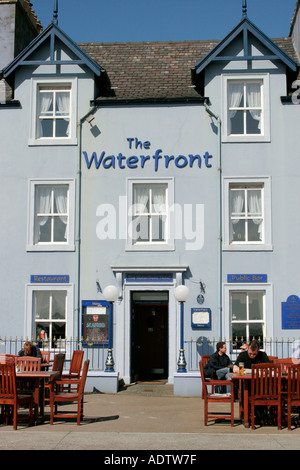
[9, 397]
[293, 395]
[75, 395]
[272, 358]
[266, 389]
[28, 363]
[204, 360]
[58, 365]
[4, 357]
[284, 363]
[75, 368]
[217, 398]
[45, 356]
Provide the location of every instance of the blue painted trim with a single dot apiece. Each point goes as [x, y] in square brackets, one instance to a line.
[52, 32]
[246, 27]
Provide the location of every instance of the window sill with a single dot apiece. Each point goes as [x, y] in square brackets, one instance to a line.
[150, 248]
[249, 247]
[50, 248]
[51, 142]
[246, 138]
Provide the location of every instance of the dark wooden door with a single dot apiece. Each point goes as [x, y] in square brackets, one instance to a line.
[149, 341]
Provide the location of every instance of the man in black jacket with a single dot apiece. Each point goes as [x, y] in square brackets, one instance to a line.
[252, 356]
[219, 364]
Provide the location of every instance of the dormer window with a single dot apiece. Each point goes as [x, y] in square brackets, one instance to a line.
[53, 112]
[245, 107]
[246, 113]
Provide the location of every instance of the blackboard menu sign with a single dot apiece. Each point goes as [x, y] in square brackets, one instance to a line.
[290, 311]
[95, 322]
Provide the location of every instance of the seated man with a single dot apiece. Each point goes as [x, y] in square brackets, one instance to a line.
[30, 350]
[219, 364]
[251, 356]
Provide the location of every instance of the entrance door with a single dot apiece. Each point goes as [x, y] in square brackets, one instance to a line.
[149, 336]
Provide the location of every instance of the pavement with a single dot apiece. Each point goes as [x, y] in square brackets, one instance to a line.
[145, 417]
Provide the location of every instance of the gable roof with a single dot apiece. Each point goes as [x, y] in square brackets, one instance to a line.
[51, 33]
[246, 27]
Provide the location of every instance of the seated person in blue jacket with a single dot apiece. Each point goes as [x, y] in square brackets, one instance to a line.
[219, 364]
[30, 349]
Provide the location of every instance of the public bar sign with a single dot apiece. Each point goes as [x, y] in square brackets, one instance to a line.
[290, 311]
[253, 278]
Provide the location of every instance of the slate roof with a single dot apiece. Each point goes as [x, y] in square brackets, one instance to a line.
[156, 70]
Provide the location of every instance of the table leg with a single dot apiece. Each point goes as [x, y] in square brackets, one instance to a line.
[246, 407]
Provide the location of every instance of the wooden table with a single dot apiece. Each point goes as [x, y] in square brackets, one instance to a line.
[244, 381]
[37, 382]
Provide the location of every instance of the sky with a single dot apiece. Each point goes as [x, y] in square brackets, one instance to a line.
[162, 20]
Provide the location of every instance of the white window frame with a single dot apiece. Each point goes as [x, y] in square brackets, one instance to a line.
[265, 115]
[69, 245]
[168, 245]
[30, 289]
[34, 138]
[266, 288]
[266, 243]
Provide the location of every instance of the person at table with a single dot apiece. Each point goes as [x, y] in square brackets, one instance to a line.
[30, 349]
[244, 347]
[252, 355]
[219, 364]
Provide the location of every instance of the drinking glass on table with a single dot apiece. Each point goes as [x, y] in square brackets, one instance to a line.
[241, 367]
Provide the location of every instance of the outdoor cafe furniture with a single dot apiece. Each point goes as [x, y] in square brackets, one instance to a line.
[265, 389]
[293, 391]
[217, 398]
[74, 371]
[58, 365]
[244, 385]
[45, 360]
[9, 396]
[28, 363]
[74, 395]
[33, 382]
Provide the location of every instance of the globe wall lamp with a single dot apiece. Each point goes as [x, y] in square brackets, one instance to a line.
[181, 294]
[111, 294]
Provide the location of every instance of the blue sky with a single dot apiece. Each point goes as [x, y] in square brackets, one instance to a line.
[162, 20]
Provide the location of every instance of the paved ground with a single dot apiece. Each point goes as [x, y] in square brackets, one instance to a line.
[145, 417]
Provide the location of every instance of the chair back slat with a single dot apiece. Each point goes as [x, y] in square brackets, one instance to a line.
[28, 364]
[205, 359]
[84, 376]
[266, 381]
[7, 380]
[76, 362]
[285, 363]
[45, 356]
[58, 363]
[4, 358]
[204, 388]
[294, 382]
